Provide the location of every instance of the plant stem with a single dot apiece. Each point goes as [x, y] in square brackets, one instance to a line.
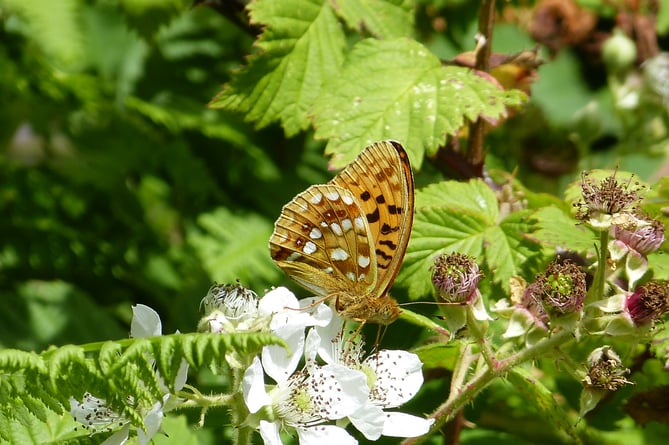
[480, 381]
[475, 155]
[596, 291]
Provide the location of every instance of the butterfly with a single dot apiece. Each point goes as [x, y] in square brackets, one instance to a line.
[345, 240]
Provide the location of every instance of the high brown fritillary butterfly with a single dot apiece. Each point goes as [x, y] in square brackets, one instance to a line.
[345, 240]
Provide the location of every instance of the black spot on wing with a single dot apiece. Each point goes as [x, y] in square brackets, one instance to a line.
[373, 217]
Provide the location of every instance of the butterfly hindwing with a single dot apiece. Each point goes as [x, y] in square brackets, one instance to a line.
[321, 240]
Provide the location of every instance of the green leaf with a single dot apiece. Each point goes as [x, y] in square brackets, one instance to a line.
[57, 31]
[301, 48]
[537, 394]
[397, 89]
[462, 217]
[234, 247]
[558, 229]
[382, 18]
[473, 195]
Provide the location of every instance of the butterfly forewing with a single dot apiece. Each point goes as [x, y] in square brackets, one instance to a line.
[321, 240]
[382, 181]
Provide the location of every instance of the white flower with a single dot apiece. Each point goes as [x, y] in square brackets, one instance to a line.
[306, 401]
[290, 317]
[393, 378]
[96, 416]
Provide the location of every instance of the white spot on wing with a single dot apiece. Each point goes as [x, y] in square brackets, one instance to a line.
[350, 276]
[293, 256]
[346, 224]
[316, 199]
[338, 254]
[328, 269]
[324, 224]
[347, 200]
[309, 248]
[363, 261]
[361, 277]
[315, 233]
[336, 228]
[359, 223]
[332, 195]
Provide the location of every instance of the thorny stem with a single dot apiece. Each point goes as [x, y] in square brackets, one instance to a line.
[475, 329]
[470, 389]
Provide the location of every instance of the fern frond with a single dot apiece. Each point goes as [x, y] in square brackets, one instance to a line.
[130, 375]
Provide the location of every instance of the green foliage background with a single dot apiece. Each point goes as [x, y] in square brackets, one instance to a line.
[119, 185]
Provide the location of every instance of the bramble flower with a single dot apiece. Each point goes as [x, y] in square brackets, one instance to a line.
[634, 245]
[605, 370]
[97, 416]
[527, 316]
[229, 308]
[456, 277]
[393, 377]
[306, 401]
[605, 373]
[648, 302]
[289, 317]
[561, 288]
[607, 202]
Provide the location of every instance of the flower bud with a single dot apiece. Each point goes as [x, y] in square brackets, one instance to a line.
[648, 302]
[656, 73]
[228, 308]
[233, 300]
[456, 277]
[618, 52]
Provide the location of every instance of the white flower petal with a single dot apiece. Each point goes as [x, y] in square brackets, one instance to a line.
[321, 313]
[398, 376]
[405, 425]
[118, 438]
[152, 421]
[269, 431]
[311, 345]
[277, 300]
[344, 385]
[145, 322]
[253, 387]
[279, 362]
[182, 376]
[369, 420]
[325, 435]
[326, 349]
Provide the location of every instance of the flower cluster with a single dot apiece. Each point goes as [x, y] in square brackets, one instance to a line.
[334, 387]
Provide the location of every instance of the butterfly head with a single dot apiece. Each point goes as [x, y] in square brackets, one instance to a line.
[380, 310]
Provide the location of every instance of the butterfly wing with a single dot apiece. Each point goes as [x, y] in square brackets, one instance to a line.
[381, 181]
[323, 242]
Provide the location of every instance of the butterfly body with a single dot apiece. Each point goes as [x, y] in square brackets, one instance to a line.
[345, 240]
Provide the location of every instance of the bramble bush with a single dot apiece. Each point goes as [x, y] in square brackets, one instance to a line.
[149, 146]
